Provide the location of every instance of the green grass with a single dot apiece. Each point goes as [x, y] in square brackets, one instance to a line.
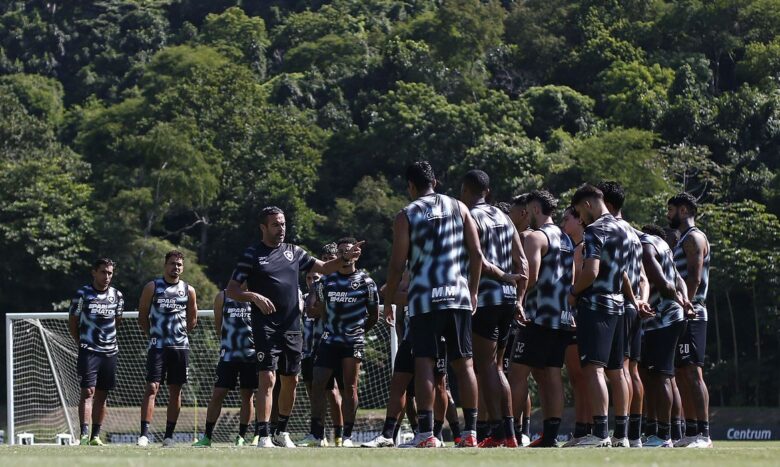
[725, 453]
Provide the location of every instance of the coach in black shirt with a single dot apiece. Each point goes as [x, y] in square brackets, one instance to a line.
[271, 269]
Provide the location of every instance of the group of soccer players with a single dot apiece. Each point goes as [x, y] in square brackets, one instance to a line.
[495, 293]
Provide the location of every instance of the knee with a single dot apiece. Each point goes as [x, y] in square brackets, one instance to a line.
[152, 388]
[87, 393]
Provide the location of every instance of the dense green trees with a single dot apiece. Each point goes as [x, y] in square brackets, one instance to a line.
[129, 127]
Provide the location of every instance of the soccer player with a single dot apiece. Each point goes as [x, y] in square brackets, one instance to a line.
[497, 305]
[519, 214]
[614, 198]
[167, 312]
[598, 293]
[438, 236]
[540, 348]
[351, 308]
[95, 313]
[692, 259]
[233, 323]
[662, 331]
[271, 269]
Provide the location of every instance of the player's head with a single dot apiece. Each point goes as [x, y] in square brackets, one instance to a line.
[329, 252]
[272, 225]
[672, 236]
[519, 212]
[311, 278]
[102, 273]
[475, 185]
[420, 178]
[614, 195]
[652, 229]
[174, 265]
[504, 207]
[344, 244]
[572, 225]
[681, 207]
[540, 205]
[589, 203]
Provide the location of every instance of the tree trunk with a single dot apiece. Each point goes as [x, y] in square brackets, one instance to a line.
[758, 347]
[736, 349]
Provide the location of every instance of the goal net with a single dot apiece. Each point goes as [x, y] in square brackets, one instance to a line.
[43, 387]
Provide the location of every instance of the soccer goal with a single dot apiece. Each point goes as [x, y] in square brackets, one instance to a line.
[43, 387]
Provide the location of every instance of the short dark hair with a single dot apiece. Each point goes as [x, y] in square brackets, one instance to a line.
[477, 181]
[520, 200]
[652, 229]
[572, 212]
[504, 206]
[545, 198]
[329, 249]
[586, 191]
[421, 175]
[685, 199]
[269, 211]
[614, 193]
[174, 254]
[102, 262]
[344, 240]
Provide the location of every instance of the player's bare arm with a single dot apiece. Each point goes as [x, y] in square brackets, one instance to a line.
[655, 273]
[219, 302]
[192, 309]
[694, 247]
[144, 305]
[398, 255]
[235, 292]
[329, 267]
[475, 253]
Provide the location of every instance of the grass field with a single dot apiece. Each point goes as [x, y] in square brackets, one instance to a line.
[725, 453]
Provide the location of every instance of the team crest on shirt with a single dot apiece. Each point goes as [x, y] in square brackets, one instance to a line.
[355, 285]
[111, 299]
[288, 255]
[181, 293]
[260, 356]
[358, 353]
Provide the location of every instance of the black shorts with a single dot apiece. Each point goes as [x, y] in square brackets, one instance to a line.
[632, 338]
[278, 350]
[568, 337]
[331, 355]
[404, 359]
[96, 370]
[660, 348]
[492, 322]
[539, 347]
[600, 338]
[167, 365]
[230, 373]
[427, 330]
[692, 344]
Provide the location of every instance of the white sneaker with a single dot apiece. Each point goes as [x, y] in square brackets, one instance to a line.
[702, 442]
[347, 443]
[311, 441]
[143, 441]
[525, 440]
[168, 443]
[421, 440]
[573, 441]
[592, 441]
[635, 443]
[620, 443]
[265, 442]
[282, 439]
[656, 442]
[379, 442]
[685, 441]
[439, 443]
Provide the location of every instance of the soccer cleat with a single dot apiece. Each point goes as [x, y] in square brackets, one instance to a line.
[573, 442]
[379, 442]
[525, 440]
[620, 443]
[168, 443]
[456, 440]
[96, 441]
[511, 442]
[337, 441]
[656, 442]
[143, 441]
[540, 443]
[265, 442]
[421, 441]
[84, 440]
[635, 443]
[239, 441]
[491, 442]
[439, 443]
[311, 441]
[347, 443]
[468, 440]
[592, 441]
[702, 442]
[685, 441]
[255, 440]
[204, 442]
[282, 439]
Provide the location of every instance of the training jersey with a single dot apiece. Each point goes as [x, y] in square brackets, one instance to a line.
[546, 303]
[496, 232]
[97, 312]
[346, 298]
[608, 241]
[237, 342]
[681, 263]
[667, 310]
[438, 260]
[634, 260]
[273, 273]
[168, 315]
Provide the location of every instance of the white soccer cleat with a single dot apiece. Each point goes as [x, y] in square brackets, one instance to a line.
[282, 440]
[702, 442]
[265, 442]
[656, 442]
[421, 440]
[379, 442]
[573, 442]
[635, 443]
[525, 440]
[439, 443]
[592, 441]
[620, 443]
[347, 443]
[143, 441]
[311, 441]
[685, 441]
[168, 443]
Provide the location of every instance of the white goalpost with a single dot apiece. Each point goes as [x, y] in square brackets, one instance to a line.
[43, 387]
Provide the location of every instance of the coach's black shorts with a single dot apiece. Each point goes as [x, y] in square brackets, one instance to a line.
[539, 347]
[660, 347]
[277, 350]
[167, 365]
[632, 338]
[331, 355]
[568, 337]
[492, 322]
[404, 358]
[230, 373]
[96, 370]
[600, 338]
[692, 344]
[427, 330]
